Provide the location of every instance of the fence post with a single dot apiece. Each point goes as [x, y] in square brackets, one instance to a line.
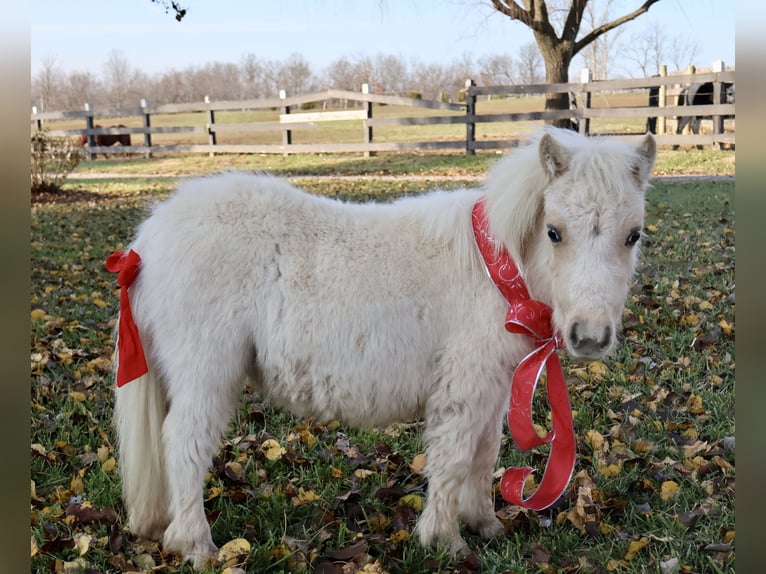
[147, 125]
[719, 97]
[367, 126]
[38, 121]
[663, 101]
[470, 113]
[586, 76]
[287, 135]
[211, 139]
[89, 126]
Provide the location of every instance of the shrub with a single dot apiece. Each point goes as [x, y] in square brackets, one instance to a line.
[53, 158]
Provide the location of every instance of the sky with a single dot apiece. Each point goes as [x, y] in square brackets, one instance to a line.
[80, 34]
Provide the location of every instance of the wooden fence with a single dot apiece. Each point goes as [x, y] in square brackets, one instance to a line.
[292, 118]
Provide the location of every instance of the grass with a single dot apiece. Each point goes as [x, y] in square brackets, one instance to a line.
[655, 474]
[669, 162]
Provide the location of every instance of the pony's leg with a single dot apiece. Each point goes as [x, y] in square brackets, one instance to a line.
[463, 437]
[202, 399]
[476, 503]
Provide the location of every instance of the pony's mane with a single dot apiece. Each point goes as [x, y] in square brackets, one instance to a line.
[446, 217]
[514, 189]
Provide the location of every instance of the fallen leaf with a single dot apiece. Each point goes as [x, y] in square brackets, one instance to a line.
[418, 463]
[82, 543]
[597, 369]
[635, 547]
[304, 497]
[669, 490]
[595, 439]
[109, 465]
[414, 501]
[233, 552]
[272, 449]
[38, 314]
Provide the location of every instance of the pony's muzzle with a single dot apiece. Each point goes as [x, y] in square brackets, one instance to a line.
[589, 342]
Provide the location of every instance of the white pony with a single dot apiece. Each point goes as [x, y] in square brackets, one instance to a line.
[365, 313]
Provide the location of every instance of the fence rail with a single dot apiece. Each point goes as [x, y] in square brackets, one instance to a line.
[286, 115]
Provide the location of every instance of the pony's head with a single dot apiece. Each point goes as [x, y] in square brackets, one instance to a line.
[574, 225]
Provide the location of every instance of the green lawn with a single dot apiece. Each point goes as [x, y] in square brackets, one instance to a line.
[655, 476]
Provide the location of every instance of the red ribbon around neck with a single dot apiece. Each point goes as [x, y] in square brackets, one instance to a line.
[532, 318]
[132, 363]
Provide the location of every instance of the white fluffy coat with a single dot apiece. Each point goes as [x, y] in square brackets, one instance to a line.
[364, 313]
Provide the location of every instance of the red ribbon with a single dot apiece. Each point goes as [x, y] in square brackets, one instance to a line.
[132, 363]
[532, 318]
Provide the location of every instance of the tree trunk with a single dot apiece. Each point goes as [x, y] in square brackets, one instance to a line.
[557, 55]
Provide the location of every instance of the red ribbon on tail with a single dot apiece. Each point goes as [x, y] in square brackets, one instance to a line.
[532, 318]
[132, 362]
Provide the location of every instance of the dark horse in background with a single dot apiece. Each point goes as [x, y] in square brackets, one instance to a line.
[701, 95]
[693, 95]
[106, 140]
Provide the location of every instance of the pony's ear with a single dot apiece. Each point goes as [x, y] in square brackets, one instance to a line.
[647, 153]
[554, 157]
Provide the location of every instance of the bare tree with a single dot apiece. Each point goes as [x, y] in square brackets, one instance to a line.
[646, 50]
[652, 48]
[558, 38]
[365, 73]
[459, 71]
[683, 51]
[341, 74]
[498, 69]
[118, 78]
[173, 88]
[251, 71]
[391, 74]
[530, 64]
[599, 54]
[81, 87]
[295, 75]
[430, 79]
[47, 85]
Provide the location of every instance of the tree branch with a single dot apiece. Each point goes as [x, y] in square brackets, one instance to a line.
[513, 11]
[604, 28]
[574, 20]
[172, 5]
[535, 17]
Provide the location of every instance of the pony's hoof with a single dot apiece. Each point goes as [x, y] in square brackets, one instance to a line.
[200, 560]
[458, 547]
[199, 553]
[491, 529]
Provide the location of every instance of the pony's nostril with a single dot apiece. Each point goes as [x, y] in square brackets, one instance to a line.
[586, 343]
[573, 338]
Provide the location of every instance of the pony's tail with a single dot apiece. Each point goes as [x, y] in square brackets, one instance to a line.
[140, 409]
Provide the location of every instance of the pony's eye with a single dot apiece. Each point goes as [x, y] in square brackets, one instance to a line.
[633, 238]
[553, 234]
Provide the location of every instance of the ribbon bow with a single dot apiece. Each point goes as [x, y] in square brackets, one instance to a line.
[532, 318]
[132, 363]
